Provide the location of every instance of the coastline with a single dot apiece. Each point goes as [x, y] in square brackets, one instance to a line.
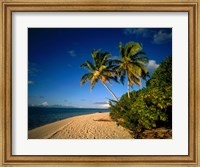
[40, 116]
[90, 126]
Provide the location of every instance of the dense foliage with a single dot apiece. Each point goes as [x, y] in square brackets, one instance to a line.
[150, 107]
[163, 75]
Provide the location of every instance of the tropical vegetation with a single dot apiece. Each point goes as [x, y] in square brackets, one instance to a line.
[147, 108]
[150, 107]
[100, 70]
[132, 64]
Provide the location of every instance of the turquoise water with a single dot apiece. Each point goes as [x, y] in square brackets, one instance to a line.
[38, 116]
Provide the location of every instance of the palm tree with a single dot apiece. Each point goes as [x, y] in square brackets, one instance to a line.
[132, 64]
[101, 70]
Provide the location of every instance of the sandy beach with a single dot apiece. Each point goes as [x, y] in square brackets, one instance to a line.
[91, 126]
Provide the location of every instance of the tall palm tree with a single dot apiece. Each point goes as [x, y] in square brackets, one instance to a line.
[132, 64]
[100, 70]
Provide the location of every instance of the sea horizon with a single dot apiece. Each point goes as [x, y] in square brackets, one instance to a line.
[39, 116]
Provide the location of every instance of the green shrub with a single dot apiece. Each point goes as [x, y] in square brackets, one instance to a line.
[162, 76]
[151, 108]
[147, 108]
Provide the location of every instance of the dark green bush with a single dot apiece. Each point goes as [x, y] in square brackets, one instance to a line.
[163, 74]
[147, 108]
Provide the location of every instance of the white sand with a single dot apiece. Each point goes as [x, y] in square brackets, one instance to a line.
[91, 126]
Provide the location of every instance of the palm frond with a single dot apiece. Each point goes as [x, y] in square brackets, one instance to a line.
[116, 68]
[137, 81]
[141, 60]
[83, 65]
[132, 48]
[86, 77]
[139, 54]
[132, 74]
[110, 72]
[130, 80]
[111, 67]
[109, 78]
[141, 66]
[128, 48]
[113, 78]
[112, 101]
[134, 80]
[102, 68]
[121, 50]
[122, 75]
[104, 57]
[88, 65]
[135, 69]
[95, 56]
[93, 81]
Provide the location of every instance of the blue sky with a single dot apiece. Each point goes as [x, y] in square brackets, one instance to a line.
[55, 56]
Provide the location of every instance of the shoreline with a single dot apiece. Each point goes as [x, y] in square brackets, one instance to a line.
[90, 126]
[40, 116]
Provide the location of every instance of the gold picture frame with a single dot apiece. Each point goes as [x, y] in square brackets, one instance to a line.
[9, 6]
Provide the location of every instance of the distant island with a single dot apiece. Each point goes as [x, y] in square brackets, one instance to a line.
[54, 106]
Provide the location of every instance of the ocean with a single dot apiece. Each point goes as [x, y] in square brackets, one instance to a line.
[38, 116]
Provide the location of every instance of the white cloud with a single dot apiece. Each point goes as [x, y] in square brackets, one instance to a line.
[31, 82]
[102, 104]
[152, 66]
[161, 37]
[32, 68]
[157, 37]
[72, 53]
[45, 104]
[144, 32]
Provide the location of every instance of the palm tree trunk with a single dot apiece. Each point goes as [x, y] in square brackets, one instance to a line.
[110, 91]
[128, 89]
[113, 96]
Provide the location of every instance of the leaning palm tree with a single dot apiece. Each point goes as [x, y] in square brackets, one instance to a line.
[100, 70]
[132, 64]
